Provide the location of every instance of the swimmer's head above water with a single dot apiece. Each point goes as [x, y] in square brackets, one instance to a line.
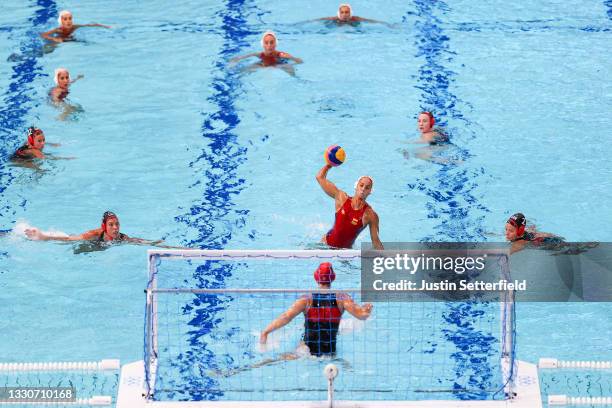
[324, 274]
[62, 77]
[515, 226]
[426, 122]
[364, 186]
[110, 224]
[345, 12]
[65, 19]
[269, 41]
[36, 138]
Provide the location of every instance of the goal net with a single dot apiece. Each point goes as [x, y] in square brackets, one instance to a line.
[206, 310]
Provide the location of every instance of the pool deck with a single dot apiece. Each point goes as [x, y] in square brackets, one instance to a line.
[132, 390]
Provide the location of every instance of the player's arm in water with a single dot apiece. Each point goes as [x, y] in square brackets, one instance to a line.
[52, 157]
[92, 235]
[37, 153]
[141, 241]
[36, 234]
[369, 20]
[351, 20]
[288, 56]
[361, 312]
[91, 25]
[80, 76]
[372, 220]
[156, 243]
[48, 35]
[298, 307]
[241, 57]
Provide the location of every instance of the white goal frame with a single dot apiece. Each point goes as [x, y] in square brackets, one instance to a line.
[521, 388]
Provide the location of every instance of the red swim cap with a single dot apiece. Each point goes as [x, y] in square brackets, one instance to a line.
[432, 120]
[325, 273]
[31, 132]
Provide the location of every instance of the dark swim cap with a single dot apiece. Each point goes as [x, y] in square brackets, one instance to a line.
[105, 217]
[518, 221]
[325, 273]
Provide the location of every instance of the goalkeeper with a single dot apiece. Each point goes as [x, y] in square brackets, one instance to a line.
[322, 314]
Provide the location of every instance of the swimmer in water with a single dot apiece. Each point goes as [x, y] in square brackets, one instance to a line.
[322, 314]
[33, 147]
[353, 214]
[345, 16]
[270, 56]
[322, 311]
[430, 135]
[520, 237]
[108, 233]
[66, 29]
[62, 82]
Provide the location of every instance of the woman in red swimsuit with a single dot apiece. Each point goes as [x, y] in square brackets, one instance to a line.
[270, 56]
[353, 214]
[66, 28]
[62, 82]
[107, 233]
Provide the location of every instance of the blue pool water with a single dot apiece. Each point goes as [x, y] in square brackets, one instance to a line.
[185, 149]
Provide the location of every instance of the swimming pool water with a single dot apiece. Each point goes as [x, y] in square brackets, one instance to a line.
[183, 148]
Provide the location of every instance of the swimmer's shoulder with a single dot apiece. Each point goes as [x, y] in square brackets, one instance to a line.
[67, 34]
[342, 196]
[23, 152]
[439, 137]
[92, 234]
[369, 214]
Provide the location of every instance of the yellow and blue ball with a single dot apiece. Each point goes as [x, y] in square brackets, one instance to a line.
[335, 155]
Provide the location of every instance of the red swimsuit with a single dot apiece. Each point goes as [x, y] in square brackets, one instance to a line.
[267, 60]
[348, 225]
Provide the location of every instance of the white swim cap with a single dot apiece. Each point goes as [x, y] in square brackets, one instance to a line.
[264, 36]
[359, 179]
[345, 5]
[63, 12]
[57, 72]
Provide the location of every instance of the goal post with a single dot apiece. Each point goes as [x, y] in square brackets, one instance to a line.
[205, 310]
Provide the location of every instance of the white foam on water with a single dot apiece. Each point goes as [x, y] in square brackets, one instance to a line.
[18, 231]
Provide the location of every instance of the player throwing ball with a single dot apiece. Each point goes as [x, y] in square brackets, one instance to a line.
[353, 214]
